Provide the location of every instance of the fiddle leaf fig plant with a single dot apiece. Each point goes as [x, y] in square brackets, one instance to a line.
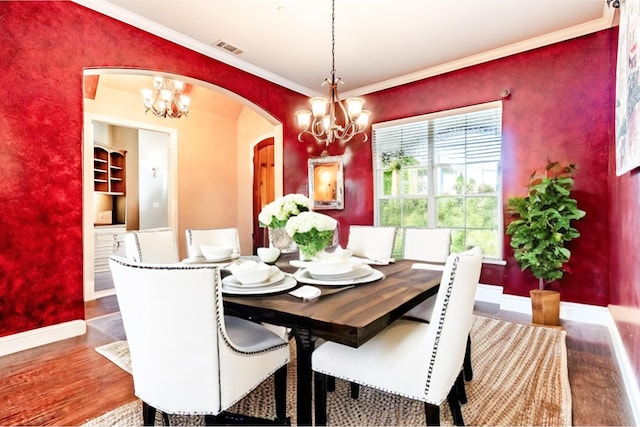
[542, 224]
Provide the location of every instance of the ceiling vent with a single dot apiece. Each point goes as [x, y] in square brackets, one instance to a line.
[228, 47]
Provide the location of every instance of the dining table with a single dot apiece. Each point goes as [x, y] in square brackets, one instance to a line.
[343, 313]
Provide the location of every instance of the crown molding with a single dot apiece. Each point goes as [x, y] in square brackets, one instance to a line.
[151, 27]
[604, 22]
[113, 11]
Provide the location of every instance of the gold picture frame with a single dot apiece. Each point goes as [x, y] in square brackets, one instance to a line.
[326, 183]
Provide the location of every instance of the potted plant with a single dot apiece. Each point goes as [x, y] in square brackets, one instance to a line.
[540, 231]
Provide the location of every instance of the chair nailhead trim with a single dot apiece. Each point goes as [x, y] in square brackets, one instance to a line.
[432, 361]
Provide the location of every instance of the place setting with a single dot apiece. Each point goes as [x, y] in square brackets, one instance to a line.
[337, 268]
[248, 277]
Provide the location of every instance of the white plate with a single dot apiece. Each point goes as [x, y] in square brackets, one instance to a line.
[357, 271]
[283, 285]
[203, 260]
[302, 276]
[275, 277]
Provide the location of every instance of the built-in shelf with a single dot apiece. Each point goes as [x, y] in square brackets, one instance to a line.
[109, 170]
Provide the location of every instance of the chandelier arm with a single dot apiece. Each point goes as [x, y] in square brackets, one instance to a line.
[162, 107]
[318, 138]
[333, 130]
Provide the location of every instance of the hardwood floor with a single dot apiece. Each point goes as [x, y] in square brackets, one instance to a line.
[69, 383]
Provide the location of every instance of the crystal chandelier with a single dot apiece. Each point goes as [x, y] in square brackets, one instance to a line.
[166, 98]
[325, 127]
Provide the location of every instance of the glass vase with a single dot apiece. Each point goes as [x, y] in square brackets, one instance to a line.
[279, 238]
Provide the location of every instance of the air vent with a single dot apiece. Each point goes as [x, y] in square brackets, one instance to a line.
[228, 47]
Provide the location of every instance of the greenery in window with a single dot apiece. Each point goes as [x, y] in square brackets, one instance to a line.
[393, 161]
[542, 226]
[471, 218]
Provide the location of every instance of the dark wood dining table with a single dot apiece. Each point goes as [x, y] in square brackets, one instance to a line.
[350, 316]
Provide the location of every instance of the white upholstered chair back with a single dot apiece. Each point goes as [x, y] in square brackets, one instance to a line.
[155, 246]
[451, 322]
[213, 237]
[427, 244]
[182, 356]
[372, 242]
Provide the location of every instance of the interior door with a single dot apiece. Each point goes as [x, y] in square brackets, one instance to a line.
[263, 187]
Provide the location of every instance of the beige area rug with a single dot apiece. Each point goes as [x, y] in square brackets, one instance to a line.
[520, 379]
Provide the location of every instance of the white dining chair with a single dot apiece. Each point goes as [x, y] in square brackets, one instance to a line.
[430, 247]
[156, 245]
[187, 357]
[213, 237]
[427, 245]
[421, 361]
[371, 242]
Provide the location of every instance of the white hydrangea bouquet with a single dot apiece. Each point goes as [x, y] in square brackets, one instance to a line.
[277, 213]
[312, 232]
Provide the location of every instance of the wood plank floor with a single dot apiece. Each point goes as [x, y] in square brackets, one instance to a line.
[69, 383]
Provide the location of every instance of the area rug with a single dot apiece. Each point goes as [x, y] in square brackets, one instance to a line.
[520, 379]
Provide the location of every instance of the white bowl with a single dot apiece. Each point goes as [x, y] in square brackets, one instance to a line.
[248, 272]
[329, 267]
[336, 262]
[216, 252]
[269, 255]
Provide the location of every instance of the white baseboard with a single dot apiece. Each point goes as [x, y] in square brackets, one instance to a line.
[41, 336]
[628, 375]
[580, 313]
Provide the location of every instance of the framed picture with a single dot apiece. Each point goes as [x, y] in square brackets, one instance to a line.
[627, 89]
[326, 184]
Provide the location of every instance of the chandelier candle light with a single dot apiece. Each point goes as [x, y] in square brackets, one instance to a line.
[166, 98]
[324, 127]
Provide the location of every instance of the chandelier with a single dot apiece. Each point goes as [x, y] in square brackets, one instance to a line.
[166, 98]
[325, 127]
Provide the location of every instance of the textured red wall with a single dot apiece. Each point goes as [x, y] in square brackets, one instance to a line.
[560, 108]
[625, 272]
[44, 47]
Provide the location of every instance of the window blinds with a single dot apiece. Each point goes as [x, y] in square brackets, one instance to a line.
[458, 138]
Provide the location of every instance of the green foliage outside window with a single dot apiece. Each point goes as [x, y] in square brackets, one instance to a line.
[471, 214]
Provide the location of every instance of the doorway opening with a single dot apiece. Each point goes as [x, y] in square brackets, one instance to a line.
[131, 193]
[263, 186]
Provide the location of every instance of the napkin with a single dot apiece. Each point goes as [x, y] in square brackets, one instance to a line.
[306, 293]
[423, 266]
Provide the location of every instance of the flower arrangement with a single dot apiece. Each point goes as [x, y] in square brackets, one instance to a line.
[312, 232]
[277, 213]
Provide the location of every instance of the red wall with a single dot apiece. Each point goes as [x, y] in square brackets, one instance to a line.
[44, 47]
[561, 108]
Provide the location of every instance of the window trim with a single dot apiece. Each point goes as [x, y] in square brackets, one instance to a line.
[499, 259]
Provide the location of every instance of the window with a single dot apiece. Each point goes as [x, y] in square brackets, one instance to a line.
[442, 170]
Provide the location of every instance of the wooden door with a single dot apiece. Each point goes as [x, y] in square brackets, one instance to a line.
[263, 187]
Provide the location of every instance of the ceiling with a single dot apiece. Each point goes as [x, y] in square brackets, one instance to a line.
[378, 43]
